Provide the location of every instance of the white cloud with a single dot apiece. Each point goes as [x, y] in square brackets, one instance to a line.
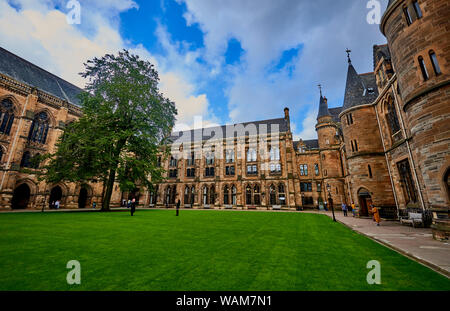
[41, 34]
[266, 28]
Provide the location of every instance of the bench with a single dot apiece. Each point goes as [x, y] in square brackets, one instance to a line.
[276, 207]
[413, 219]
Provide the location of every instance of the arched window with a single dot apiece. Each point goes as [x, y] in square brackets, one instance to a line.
[274, 154]
[173, 194]
[233, 195]
[248, 195]
[281, 194]
[25, 162]
[226, 195]
[205, 195]
[6, 116]
[212, 195]
[393, 118]
[417, 9]
[434, 61]
[273, 195]
[256, 195]
[423, 68]
[39, 128]
[251, 155]
[407, 15]
[192, 195]
[186, 195]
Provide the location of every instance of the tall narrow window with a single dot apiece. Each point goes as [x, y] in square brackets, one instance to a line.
[407, 182]
[393, 119]
[417, 9]
[423, 68]
[25, 162]
[370, 171]
[434, 61]
[226, 195]
[356, 146]
[6, 116]
[316, 169]
[407, 16]
[39, 128]
[353, 146]
[233, 195]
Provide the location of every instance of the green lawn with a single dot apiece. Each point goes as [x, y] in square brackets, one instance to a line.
[200, 250]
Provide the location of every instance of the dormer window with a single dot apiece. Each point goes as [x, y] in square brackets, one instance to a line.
[370, 90]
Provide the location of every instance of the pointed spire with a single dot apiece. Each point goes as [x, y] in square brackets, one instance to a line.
[348, 55]
[323, 105]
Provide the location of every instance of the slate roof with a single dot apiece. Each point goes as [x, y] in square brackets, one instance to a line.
[309, 144]
[356, 89]
[380, 51]
[22, 70]
[323, 108]
[335, 113]
[227, 131]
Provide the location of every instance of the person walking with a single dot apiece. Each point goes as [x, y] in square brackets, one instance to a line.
[57, 204]
[178, 206]
[376, 214]
[353, 209]
[94, 205]
[129, 203]
[344, 209]
[133, 206]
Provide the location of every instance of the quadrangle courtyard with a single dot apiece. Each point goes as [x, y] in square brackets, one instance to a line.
[199, 250]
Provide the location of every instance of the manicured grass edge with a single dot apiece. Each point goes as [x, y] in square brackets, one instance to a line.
[401, 252]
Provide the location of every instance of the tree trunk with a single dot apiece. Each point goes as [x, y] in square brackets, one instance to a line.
[112, 176]
[109, 190]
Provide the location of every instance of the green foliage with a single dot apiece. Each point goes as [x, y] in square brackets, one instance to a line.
[125, 122]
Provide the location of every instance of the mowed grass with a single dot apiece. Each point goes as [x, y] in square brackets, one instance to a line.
[199, 250]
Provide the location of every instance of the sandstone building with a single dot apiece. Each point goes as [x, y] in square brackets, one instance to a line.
[387, 145]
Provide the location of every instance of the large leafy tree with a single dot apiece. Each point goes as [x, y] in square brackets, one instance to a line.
[126, 120]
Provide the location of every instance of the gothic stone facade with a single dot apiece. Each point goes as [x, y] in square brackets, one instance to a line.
[387, 145]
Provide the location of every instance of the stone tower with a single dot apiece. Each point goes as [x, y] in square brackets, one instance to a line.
[368, 176]
[418, 36]
[329, 152]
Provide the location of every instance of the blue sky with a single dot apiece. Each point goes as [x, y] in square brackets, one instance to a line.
[226, 61]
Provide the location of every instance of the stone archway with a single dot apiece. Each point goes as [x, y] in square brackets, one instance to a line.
[21, 197]
[82, 197]
[55, 194]
[365, 199]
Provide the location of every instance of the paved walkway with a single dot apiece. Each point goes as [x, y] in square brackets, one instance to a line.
[416, 243]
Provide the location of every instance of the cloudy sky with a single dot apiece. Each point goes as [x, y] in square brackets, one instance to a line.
[225, 60]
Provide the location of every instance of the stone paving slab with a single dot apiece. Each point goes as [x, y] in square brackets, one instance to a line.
[416, 243]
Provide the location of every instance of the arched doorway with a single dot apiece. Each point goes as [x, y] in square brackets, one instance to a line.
[365, 199]
[21, 197]
[82, 198]
[55, 195]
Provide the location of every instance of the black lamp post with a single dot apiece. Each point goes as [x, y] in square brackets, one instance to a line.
[330, 201]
